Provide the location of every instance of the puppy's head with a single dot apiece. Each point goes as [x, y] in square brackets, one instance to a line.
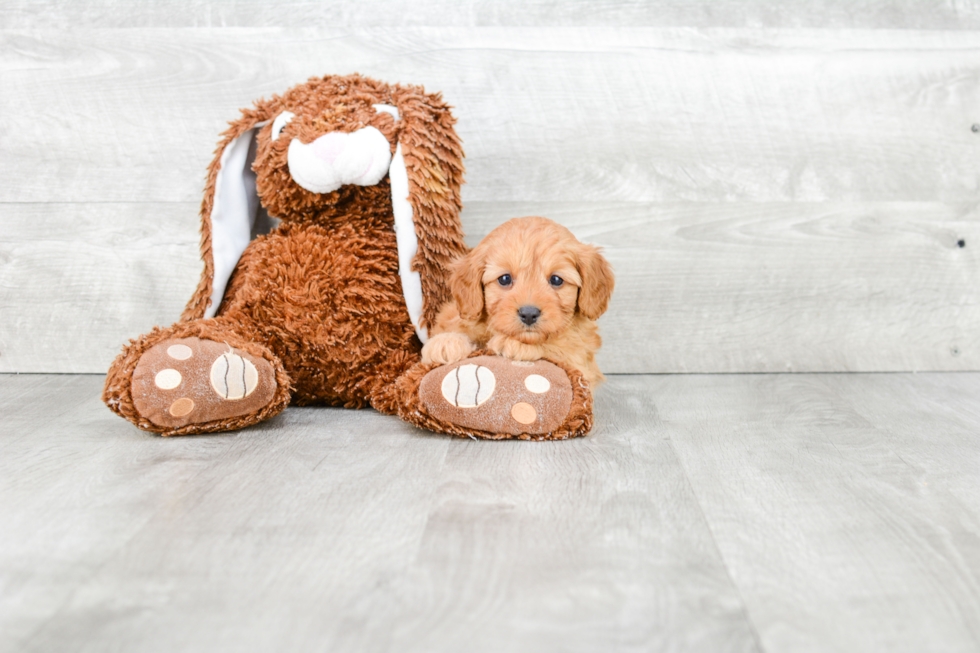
[529, 277]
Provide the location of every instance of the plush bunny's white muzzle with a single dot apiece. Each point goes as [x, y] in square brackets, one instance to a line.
[336, 159]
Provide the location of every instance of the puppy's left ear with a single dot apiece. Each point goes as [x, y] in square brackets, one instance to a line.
[597, 282]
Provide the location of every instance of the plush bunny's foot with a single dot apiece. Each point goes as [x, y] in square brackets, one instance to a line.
[185, 381]
[496, 397]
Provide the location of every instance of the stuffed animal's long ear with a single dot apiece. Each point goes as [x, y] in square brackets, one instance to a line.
[427, 171]
[466, 284]
[597, 282]
[228, 211]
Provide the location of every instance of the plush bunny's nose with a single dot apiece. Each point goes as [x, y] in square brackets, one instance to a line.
[329, 146]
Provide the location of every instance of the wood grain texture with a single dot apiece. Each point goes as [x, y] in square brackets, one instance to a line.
[344, 530]
[891, 14]
[77, 281]
[700, 287]
[546, 114]
[704, 513]
[827, 493]
[781, 287]
[773, 199]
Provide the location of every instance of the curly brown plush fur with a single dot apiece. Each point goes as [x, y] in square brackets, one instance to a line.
[318, 303]
[433, 157]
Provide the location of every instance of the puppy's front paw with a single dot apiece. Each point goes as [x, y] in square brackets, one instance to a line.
[447, 348]
[514, 349]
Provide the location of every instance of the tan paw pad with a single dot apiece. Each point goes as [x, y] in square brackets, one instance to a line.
[167, 379]
[537, 384]
[179, 352]
[181, 407]
[468, 386]
[233, 377]
[524, 413]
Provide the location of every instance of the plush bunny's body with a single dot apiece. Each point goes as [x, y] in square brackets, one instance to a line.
[331, 306]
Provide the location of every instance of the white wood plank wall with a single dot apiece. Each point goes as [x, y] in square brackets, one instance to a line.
[780, 186]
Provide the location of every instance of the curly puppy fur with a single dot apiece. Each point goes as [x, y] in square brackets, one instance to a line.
[529, 290]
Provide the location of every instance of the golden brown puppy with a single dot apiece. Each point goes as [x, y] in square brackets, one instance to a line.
[529, 290]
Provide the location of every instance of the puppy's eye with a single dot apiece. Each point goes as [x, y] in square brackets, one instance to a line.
[556, 281]
[504, 280]
[280, 123]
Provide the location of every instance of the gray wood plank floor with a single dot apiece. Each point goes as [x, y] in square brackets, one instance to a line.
[705, 513]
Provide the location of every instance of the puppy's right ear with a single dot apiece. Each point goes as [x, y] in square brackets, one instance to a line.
[466, 284]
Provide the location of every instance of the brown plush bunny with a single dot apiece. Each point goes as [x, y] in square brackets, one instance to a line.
[332, 306]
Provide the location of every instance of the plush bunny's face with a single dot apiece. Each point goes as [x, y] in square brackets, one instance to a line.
[339, 150]
[324, 151]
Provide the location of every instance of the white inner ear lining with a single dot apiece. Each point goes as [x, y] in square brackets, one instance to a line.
[233, 208]
[408, 242]
[387, 108]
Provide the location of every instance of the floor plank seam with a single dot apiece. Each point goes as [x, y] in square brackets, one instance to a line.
[714, 541]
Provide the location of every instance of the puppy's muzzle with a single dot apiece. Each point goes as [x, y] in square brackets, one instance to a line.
[529, 314]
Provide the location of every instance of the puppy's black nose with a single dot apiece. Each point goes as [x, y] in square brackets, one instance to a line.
[529, 314]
